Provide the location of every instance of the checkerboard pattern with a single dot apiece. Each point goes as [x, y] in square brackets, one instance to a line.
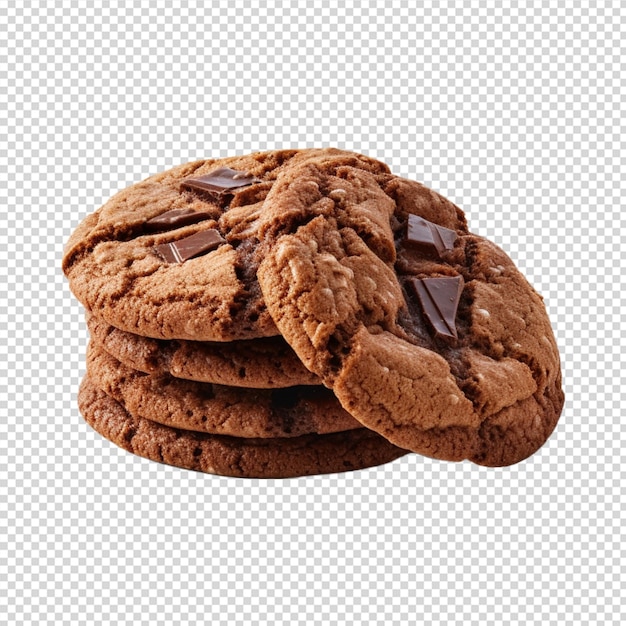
[512, 110]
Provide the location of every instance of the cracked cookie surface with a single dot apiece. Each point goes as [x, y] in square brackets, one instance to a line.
[121, 265]
[348, 289]
[232, 456]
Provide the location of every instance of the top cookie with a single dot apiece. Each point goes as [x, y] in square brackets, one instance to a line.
[175, 256]
[427, 333]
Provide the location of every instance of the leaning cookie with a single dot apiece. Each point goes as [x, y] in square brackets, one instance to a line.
[265, 363]
[427, 334]
[218, 409]
[231, 456]
[175, 256]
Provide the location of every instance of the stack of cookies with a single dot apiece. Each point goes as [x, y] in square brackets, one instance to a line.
[303, 312]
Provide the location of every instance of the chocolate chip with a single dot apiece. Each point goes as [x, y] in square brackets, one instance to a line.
[439, 298]
[175, 219]
[184, 249]
[428, 237]
[220, 183]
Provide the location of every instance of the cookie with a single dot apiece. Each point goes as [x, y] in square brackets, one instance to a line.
[427, 334]
[231, 456]
[217, 409]
[175, 256]
[265, 363]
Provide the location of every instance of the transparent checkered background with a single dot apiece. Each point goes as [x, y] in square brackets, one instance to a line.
[514, 113]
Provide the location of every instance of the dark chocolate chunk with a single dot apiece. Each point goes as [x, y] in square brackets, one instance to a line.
[439, 298]
[220, 183]
[175, 219]
[183, 249]
[428, 237]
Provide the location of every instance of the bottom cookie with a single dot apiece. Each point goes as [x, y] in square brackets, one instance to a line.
[233, 456]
